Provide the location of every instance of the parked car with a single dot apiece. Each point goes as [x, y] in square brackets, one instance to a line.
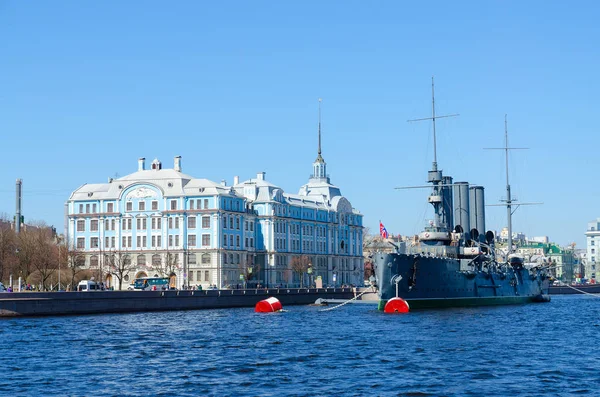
[2, 288]
[89, 285]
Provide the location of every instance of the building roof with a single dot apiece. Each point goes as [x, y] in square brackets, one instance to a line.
[169, 181]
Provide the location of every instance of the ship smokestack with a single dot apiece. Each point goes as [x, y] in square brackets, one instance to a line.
[477, 208]
[461, 205]
[447, 203]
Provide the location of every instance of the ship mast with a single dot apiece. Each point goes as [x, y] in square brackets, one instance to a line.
[435, 176]
[434, 167]
[508, 198]
[509, 202]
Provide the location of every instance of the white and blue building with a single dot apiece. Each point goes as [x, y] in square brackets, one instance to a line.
[592, 236]
[199, 232]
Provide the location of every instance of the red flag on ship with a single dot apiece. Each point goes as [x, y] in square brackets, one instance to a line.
[383, 231]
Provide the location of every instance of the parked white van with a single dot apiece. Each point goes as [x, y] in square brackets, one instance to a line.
[89, 285]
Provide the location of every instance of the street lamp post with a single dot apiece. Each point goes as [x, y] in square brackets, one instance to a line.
[248, 275]
[58, 240]
[267, 269]
[186, 259]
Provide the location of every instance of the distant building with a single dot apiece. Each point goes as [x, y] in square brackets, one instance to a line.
[592, 236]
[516, 237]
[540, 239]
[163, 222]
[563, 261]
[580, 263]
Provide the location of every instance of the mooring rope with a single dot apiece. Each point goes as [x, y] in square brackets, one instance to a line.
[348, 301]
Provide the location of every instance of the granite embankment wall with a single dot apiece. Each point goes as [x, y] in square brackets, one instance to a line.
[68, 303]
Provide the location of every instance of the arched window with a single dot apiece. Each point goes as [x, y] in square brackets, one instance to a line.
[192, 259]
[80, 261]
[126, 260]
[205, 258]
[141, 260]
[94, 261]
[156, 260]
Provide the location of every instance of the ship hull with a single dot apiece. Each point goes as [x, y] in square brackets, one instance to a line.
[433, 282]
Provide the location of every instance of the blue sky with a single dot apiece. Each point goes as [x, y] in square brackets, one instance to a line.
[88, 87]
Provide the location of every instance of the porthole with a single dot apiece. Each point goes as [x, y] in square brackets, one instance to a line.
[201, 190]
[170, 184]
[120, 186]
[90, 194]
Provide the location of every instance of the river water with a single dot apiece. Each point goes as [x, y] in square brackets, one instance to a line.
[543, 349]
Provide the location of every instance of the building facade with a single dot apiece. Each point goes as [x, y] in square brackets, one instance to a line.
[592, 236]
[162, 222]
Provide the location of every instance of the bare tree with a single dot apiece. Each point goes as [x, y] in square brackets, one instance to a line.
[166, 267]
[249, 270]
[75, 263]
[26, 252]
[375, 243]
[8, 246]
[299, 265]
[120, 265]
[45, 254]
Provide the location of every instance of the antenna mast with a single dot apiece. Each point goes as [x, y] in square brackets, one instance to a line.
[433, 118]
[320, 100]
[435, 176]
[509, 200]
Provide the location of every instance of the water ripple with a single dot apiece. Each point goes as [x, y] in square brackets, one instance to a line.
[353, 351]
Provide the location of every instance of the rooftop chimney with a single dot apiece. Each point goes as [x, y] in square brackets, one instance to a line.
[236, 180]
[223, 182]
[141, 164]
[260, 176]
[19, 196]
[178, 163]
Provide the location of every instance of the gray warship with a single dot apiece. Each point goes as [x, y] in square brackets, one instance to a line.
[453, 262]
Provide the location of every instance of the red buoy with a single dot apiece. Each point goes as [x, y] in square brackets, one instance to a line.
[396, 305]
[268, 306]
